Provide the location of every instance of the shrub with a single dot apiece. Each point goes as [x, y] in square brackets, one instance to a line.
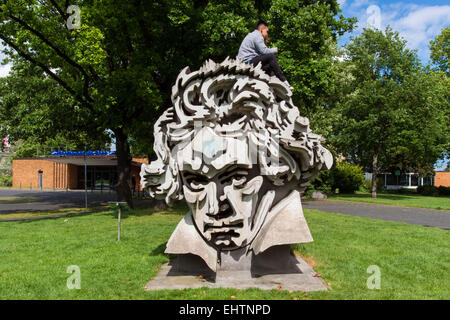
[368, 185]
[323, 183]
[309, 191]
[5, 180]
[428, 190]
[405, 191]
[344, 176]
[444, 191]
[347, 177]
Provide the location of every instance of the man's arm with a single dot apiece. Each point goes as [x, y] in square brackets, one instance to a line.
[261, 47]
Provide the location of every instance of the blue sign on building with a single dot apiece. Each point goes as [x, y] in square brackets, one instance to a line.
[81, 153]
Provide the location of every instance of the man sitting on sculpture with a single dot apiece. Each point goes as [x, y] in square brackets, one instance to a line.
[253, 50]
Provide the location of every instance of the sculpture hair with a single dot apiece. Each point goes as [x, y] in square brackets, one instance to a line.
[236, 100]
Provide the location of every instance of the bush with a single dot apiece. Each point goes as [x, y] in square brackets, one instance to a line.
[428, 190]
[5, 181]
[347, 177]
[405, 191]
[344, 176]
[368, 185]
[322, 183]
[444, 191]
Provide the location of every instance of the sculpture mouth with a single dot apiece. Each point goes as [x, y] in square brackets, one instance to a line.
[224, 240]
[223, 227]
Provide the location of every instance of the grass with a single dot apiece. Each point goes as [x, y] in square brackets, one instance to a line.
[7, 216]
[405, 200]
[414, 260]
[8, 200]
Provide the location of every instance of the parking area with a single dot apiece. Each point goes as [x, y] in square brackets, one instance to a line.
[50, 200]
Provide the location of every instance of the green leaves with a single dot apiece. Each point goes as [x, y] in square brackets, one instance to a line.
[306, 37]
[392, 109]
[88, 48]
[117, 70]
[440, 51]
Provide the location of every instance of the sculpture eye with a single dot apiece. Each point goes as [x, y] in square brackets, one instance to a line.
[196, 182]
[236, 176]
[239, 180]
[197, 185]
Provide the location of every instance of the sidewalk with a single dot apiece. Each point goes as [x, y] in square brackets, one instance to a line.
[420, 216]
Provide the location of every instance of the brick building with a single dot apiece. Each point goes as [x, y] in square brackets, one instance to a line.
[442, 178]
[68, 172]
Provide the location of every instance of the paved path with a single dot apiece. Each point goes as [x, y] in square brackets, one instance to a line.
[49, 200]
[420, 216]
[52, 200]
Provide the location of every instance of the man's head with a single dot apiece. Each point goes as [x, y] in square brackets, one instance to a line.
[232, 137]
[263, 28]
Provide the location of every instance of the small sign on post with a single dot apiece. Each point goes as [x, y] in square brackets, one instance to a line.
[118, 206]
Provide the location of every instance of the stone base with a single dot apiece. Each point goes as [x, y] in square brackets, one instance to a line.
[190, 272]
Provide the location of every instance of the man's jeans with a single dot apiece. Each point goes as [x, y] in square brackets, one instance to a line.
[269, 65]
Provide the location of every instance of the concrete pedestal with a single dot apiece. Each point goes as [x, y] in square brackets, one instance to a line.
[269, 270]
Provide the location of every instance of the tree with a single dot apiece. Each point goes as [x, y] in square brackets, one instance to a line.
[37, 114]
[440, 57]
[423, 134]
[119, 66]
[393, 111]
[440, 51]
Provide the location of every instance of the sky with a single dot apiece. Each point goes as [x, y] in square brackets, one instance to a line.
[418, 22]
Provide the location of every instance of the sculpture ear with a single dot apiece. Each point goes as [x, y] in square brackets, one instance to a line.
[328, 158]
[161, 177]
[253, 186]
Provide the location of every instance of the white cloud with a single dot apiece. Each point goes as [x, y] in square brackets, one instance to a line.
[417, 24]
[341, 3]
[359, 3]
[4, 70]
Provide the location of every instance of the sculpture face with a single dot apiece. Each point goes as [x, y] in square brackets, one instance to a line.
[223, 207]
[223, 192]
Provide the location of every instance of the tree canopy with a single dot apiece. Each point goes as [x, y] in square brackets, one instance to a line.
[116, 70]
[393, 112]
[440, 51]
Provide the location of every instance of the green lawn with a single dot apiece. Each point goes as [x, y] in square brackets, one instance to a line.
[7, 216]
[414, 260]
[440, 203]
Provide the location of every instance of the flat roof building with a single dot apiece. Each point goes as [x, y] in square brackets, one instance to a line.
[67, 172]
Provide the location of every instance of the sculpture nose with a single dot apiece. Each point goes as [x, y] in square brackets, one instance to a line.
[213, 206]
[218, 205]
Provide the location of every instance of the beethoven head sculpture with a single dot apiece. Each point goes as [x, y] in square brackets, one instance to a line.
[233, 145]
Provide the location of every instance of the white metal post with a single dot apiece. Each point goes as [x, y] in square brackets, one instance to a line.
[118, 231]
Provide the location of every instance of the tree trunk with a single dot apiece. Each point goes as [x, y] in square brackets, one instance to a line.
[123, 168]
[374, 175]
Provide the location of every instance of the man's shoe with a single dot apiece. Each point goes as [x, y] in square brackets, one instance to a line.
[288, 84]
